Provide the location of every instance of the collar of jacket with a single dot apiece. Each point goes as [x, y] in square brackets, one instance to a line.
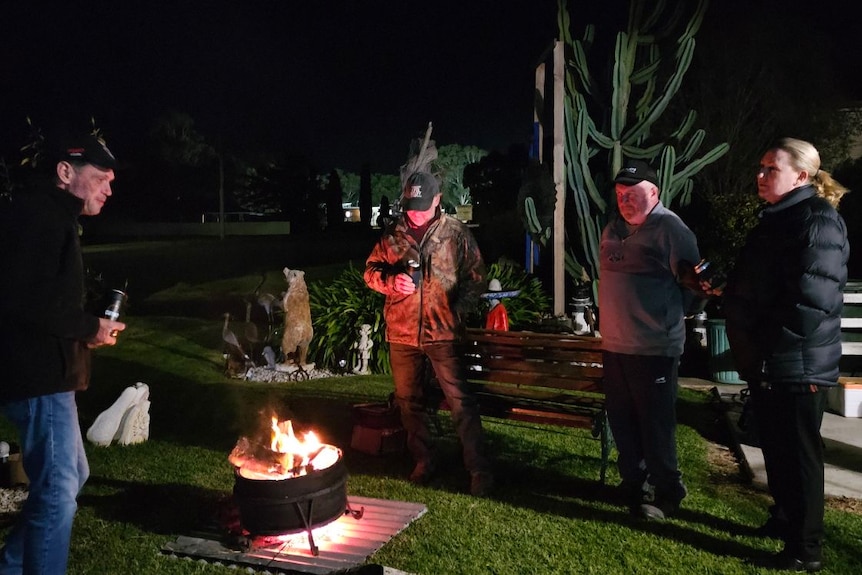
[622, 227]
[402, 225]
[73, 204]
[790, 199]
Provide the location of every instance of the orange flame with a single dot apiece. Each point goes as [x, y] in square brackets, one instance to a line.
[295, 452]
[291, 456]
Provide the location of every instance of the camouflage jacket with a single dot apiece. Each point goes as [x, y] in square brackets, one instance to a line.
[452, 278]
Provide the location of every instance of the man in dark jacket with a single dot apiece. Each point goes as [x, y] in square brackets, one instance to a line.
[45, 344]
[783, 303]
[430, 269]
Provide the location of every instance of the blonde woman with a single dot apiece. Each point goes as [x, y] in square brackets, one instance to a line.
[783, 303]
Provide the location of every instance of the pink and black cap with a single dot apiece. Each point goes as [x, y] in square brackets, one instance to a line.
[419, 191]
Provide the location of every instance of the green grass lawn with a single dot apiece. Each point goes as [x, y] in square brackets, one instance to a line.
[549, 515]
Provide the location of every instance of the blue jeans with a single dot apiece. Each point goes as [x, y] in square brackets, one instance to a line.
[56, 465]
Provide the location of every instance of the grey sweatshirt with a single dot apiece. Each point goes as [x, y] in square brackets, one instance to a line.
[642, 302]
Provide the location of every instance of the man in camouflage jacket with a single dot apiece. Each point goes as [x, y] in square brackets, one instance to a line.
[430, 269]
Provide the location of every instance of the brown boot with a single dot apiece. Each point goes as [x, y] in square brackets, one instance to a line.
[422, 473]
[481, 483]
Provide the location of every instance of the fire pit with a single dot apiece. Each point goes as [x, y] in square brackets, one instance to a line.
[292, 485]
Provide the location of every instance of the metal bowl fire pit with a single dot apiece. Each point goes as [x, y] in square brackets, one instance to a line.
[289, 486]
[281, 506]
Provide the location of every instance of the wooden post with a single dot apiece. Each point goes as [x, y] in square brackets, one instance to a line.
[559, 179]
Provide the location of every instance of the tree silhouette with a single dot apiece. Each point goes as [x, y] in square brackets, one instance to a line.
[365, 195]
[334, 213]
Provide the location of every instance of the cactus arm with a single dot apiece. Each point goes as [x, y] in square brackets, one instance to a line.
[531, 217]
[685, 126]
[693, 145]
[648, 71]
[666, 176]
[696, 20]
[623, 58]
[643, 153]
[697, 165]
[671, 88]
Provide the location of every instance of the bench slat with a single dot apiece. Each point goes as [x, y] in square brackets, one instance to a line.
[533, 339]
[512, 395]
[549, 354]
[533, 379]
[546, 418]
[851, 348]
[554, 368]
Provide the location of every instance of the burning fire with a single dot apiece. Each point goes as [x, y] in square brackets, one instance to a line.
[287, 455]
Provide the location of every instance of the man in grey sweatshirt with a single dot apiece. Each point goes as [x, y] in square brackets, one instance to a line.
[647, 254]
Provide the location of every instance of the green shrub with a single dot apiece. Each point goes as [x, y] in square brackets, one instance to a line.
[338, 309]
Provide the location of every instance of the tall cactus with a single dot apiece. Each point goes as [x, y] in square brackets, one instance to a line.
[598, 138]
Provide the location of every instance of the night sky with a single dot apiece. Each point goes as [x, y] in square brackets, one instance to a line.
[344, 82]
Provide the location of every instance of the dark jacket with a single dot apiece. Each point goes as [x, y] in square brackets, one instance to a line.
[452, 280]
[43, 325]
[785, 295]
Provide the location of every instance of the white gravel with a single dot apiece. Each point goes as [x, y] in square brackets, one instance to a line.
[270, 375]
[12, 500]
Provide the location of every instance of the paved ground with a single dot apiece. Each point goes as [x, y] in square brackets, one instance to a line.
[842, 437]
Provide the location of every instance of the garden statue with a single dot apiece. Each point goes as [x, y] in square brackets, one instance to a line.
[583, 319]
[363, 347]
[297, 323]
[269, 356]
[498, 316]
[127, 420]
[236, 361]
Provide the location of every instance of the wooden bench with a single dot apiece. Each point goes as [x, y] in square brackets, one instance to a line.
[851, 320]
[540, 378]
[851, 334]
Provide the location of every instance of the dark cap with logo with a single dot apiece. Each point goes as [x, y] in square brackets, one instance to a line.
[419, 191]
[636, 171]
[86, 149]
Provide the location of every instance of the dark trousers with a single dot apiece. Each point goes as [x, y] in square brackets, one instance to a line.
[788, 425]
[640, 398]
[407, 372]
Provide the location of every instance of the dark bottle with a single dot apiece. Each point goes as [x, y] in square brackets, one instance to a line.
[415, 272]
[115, 304]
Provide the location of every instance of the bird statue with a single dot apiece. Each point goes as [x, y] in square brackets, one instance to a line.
[269, 303]
[269, 355]
[250, 334]
[237, 361]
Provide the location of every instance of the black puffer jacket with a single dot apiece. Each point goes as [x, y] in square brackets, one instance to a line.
[785, 295]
